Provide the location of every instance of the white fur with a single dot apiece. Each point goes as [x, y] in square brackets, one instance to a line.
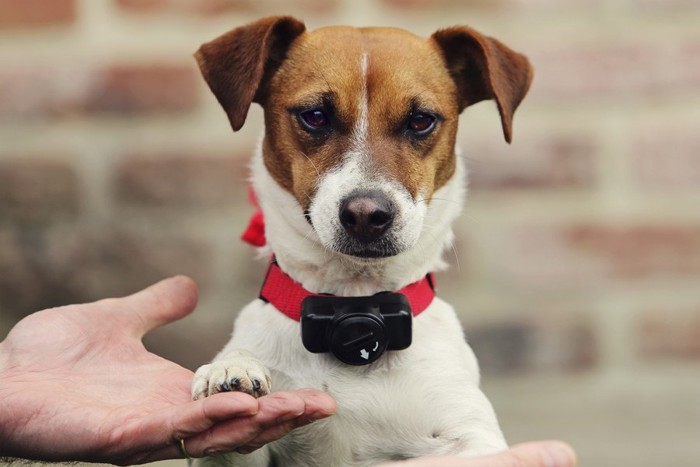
[421, 401]
[356, 173]
[361, 130]
[300, 251]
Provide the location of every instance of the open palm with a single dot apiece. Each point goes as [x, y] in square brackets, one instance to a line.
[77, 384]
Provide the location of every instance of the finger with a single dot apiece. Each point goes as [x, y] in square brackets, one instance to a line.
[278, 413]
[552, 453]
[161, 303]
[197, 417]
[318, 405]
[274, 409]
[535, 454]
[157, 437]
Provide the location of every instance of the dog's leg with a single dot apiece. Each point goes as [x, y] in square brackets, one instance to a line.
[483, 436]
[238, 370]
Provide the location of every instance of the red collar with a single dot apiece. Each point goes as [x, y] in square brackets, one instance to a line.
[286, 295]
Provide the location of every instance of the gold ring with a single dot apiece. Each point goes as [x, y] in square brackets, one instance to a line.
[183, 450]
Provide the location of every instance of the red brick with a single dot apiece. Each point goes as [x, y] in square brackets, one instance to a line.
[216, 7]
[670, 333]
[622, 70]
[588, 6]
[22, 13]
[145, 5]
[667, 158]
[560, 259]
[551, 162]
[585, 6]
[132, 89]
[182, 181]
[41, 268]
[37, 190]
[534, 345]
[22, 288]
[640, 251]
[435, 4]
[52, 89]
[665, 5]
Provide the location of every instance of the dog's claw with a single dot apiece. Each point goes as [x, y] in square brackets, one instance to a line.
[235, 384]
[240, 371]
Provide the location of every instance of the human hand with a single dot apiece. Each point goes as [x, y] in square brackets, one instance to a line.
[76, 383]
[534, 454]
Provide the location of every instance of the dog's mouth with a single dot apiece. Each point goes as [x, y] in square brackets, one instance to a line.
[382, 248]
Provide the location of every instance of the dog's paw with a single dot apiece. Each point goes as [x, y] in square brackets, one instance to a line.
[237, 371]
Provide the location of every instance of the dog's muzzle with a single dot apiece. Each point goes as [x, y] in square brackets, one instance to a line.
[366, 218]
[366, 215]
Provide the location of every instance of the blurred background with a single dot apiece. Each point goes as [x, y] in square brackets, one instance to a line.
[577, 267]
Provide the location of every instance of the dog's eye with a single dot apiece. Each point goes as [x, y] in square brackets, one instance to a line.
[422, 123]
[315, 119]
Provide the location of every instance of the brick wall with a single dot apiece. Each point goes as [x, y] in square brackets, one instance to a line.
[577, 267]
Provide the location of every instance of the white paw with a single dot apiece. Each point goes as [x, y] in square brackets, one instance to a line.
[237, 371]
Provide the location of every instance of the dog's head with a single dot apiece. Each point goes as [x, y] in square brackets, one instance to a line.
[361, 123]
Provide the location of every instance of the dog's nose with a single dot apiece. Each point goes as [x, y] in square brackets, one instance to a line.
[366, 215]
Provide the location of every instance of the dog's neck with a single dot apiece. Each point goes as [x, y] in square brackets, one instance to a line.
[292, 240]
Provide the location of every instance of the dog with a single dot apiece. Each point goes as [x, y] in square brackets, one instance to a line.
[359, 181]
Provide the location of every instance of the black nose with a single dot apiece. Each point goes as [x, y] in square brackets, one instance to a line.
[366, 215]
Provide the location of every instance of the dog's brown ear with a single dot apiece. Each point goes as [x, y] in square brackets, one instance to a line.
[484, 68]
[237, 64]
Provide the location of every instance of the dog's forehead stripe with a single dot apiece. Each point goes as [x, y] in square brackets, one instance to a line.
[362, 123]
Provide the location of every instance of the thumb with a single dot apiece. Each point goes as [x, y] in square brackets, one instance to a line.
[159, 304]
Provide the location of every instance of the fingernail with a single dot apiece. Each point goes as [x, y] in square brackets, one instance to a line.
[558, 455]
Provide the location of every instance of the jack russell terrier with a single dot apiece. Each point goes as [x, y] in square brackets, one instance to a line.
[359, 181]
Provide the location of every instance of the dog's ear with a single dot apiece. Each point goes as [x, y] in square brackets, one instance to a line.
[237, 65]
[484, 68]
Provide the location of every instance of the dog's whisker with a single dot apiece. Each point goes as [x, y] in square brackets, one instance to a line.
[471, 218]
[453, 247]
[425, 200]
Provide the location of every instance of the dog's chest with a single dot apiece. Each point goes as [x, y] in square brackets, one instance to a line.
[404, 405]
[382, 417]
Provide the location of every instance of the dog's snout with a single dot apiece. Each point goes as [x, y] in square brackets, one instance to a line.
[366, 216]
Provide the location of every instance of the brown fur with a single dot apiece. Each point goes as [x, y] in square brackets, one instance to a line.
[276, 63]
[236, 64]
[484, 68]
